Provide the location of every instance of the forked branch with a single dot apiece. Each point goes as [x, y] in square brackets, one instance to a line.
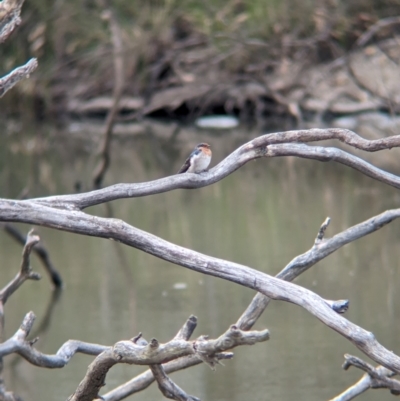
[270, 145]
[154, 353]
[378, 377]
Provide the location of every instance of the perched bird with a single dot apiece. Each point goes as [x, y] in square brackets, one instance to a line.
[198, 160]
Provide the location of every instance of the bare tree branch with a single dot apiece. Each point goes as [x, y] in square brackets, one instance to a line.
[10, 11]
[373, 29]
[63, 212]
[187, 329]
[156, 353]
[246, 321]
[167, 387]
[81, 223]
[40, 251]
[378, 377]
[12, 78]
[263, 146]
[146, 378]
[19, 344]
[321, 249]
[24, 274]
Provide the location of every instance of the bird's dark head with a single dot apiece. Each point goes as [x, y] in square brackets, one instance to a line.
[203, 145]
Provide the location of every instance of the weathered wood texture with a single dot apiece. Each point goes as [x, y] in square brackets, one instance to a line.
[65, 212]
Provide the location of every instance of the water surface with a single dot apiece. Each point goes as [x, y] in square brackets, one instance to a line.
[262, 216]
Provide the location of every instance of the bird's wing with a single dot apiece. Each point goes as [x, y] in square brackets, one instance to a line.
[185, 166]
[187, 163]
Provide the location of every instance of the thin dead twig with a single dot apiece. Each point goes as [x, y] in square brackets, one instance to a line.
[24, 274]
[12, 78]
[119, 81]
[39, 250]
[375, 28]
[19, 344]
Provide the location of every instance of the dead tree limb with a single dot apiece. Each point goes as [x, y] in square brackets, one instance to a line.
[64, 212]
[24, 274]
[143, 353]
[145, 379]
[81, 223]
[167, 387]
[18, 73]
[270, 145]
[245, 322]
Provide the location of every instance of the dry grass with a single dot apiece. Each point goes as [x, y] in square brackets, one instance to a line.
[73, 43]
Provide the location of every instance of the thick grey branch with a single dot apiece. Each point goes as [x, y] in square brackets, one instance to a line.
[263, 146]
[320, 250]
[81, 223]
[12, 78]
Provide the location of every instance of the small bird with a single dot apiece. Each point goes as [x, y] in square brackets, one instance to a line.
[198, 160]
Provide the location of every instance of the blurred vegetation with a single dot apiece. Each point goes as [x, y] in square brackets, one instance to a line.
[72, 41]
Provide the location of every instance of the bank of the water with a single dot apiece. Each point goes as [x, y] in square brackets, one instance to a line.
[184, 59]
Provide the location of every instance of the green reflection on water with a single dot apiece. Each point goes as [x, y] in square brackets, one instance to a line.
[261, 216]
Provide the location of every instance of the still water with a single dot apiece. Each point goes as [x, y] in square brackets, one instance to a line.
[262, 216]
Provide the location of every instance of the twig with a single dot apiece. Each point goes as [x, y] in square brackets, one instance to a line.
[378, 377]
[187, 329]
[119, 80]
[24, 274]
[40, 251]
[20, 345]
[321, 232]
[10, 11]
[373, 29]
[12, 78]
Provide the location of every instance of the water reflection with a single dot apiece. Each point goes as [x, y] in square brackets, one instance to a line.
[262, 216]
